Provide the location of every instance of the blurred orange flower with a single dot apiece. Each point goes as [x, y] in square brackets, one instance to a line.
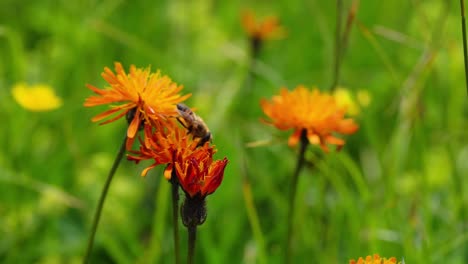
[269, 28]
[376, 259]
[149, 95]
[317, 113]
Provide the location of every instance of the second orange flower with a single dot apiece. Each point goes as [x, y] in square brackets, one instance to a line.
[310, 110]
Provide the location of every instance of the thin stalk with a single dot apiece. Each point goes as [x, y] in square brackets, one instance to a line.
[252, 213]
[349, 23]
[465, 57]
[175, 215]
[246, 88]
[97, 213]
[255, 46]
[381, 52]
[292, 195]
[192, 237]
[337, 55]
[465, 52]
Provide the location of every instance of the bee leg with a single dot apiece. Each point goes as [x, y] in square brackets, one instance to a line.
[189, 128]
[204, 139]
[181, 122]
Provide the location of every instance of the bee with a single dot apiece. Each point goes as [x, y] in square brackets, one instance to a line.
[194, 124]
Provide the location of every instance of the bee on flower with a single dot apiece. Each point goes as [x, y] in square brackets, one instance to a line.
[194, 124]
[169, 144]
[197, 173]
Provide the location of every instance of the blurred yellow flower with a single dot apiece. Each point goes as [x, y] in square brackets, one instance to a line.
[344, 99]
[363, 97]
[376, 259]
[352, 103]
[36, 98]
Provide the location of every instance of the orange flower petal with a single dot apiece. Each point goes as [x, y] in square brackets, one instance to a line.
[134, 125]
[168, 172]
[145, 171]
[214, 177]
[105, 114]
[294, 138]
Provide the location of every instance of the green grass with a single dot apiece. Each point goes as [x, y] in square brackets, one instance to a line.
[398, 188]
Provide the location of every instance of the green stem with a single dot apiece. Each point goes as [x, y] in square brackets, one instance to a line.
[175, 214]
[465, 57]
[336, 66]
[292, 195]
[347, 30]
[255, 47]
[192, 237]
[97, 213]
[465, 52]
[252, 213]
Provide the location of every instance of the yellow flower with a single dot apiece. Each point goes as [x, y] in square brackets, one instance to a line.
[363, 98]
[317, 113]
[344, 99]
[149, 95]
[268, 28]
[36, 98]
[376, 259]
[352, 103]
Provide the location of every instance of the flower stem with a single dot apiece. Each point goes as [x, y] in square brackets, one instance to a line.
[255, 46]
[175, 214]
[192, 237]
[465, 57]
[292, 195]
[336, 66]
[465, 53]
[347, 31]
[252, 213]
[97, 213]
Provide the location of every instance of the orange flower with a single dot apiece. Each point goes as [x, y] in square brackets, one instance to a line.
[315, 112]
[149, 95]
[374, 260]
[163, 141]
[269, 28]
[198, 174]
[168, 143]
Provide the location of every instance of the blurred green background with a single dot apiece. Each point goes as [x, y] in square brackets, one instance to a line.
[398, 188]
